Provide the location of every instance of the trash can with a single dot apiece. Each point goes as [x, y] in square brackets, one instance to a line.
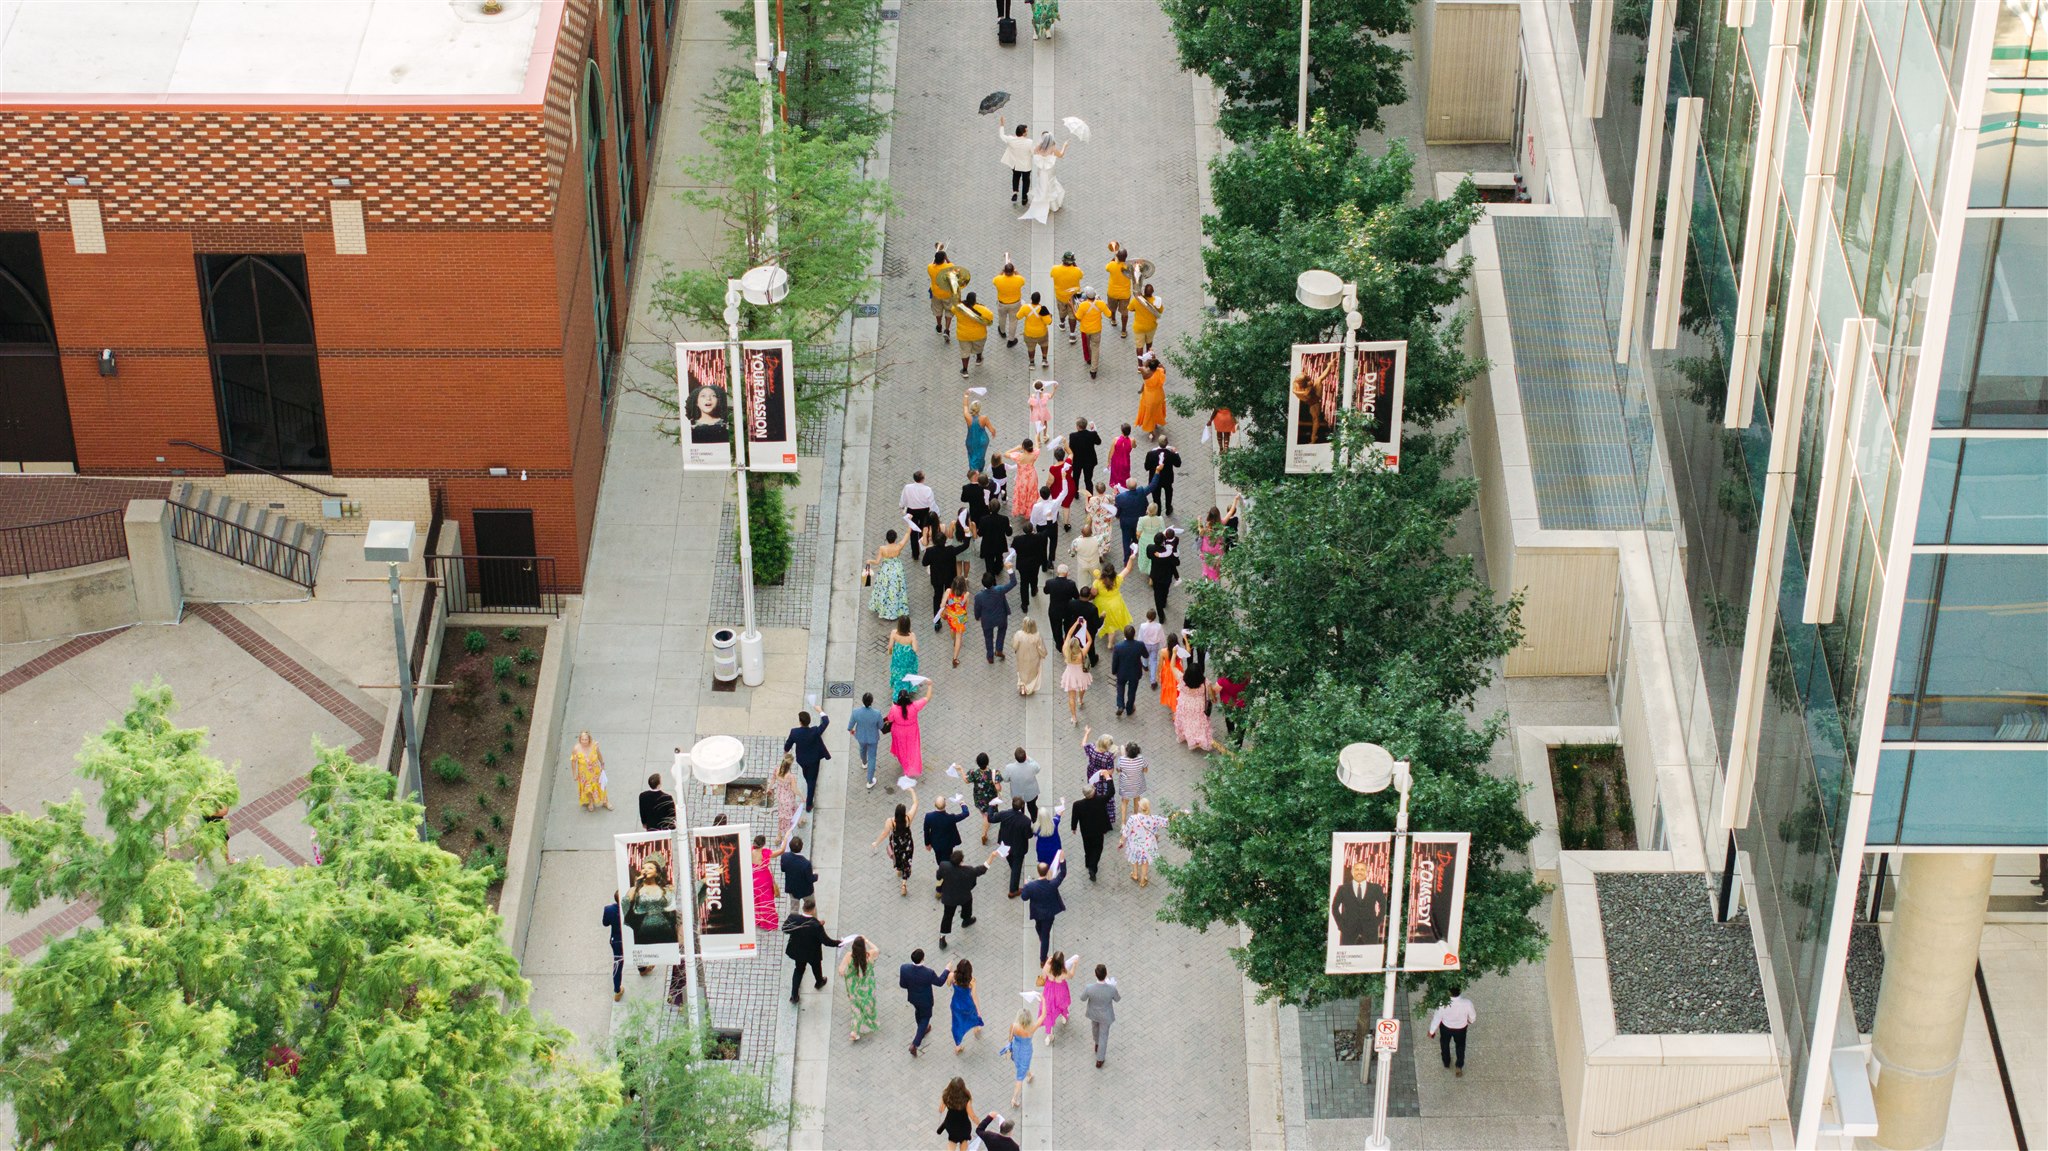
[725, 655]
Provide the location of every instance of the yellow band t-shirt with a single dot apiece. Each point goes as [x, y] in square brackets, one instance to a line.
[1037, 320]
[1090, 313]
[1119, 282]
[1145, 318]
[1009, 289]
[1065, 278]
[972, 323]
[942, 288]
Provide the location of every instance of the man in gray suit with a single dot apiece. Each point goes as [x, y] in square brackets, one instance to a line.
[1101, 997]
[992, 608]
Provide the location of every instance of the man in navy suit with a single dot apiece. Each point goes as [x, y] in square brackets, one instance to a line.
[1130, 507]
[992, 608]
[1127, 663]
[918, 980]
[809, 744]
[1042, 895]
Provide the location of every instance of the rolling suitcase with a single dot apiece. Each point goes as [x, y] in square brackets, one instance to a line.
[1006, 31]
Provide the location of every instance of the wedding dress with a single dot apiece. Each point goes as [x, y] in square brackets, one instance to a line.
[1047, 193]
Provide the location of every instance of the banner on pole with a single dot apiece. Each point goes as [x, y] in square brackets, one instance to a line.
[704, 406]
[1359, 901]
[648, 902]
[768, 413]
[1435, 900]
[1315, 394]
[722, 892]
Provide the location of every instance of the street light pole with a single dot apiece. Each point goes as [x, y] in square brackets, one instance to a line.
[1301, 96]
[764, 285]
[1368, 768]
[390, 541]
[1322, 291]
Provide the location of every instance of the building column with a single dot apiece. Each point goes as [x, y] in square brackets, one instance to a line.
[1930, 965]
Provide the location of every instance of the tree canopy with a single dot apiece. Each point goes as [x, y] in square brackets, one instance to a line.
[364, 1002]
[1251, 50]
[676, 1099]
[1287, 203]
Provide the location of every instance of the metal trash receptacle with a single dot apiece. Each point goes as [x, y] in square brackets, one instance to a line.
[725, 655]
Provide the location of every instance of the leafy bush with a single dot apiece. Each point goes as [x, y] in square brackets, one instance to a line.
[502, 781]
[477, 834]
[528, 655]
[508, 731]
[449, 820]
[474, 642]
[504, 696]
[497, 821]
[509, 635]
[507, 747]
[774, 543]
[448, 769]
[490, 759]
[501, 667]
[524, 679]
[467, 684]
[518, 713]
[483, 800]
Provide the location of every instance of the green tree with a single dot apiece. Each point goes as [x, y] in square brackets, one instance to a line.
[1251, 50]
[675, 1098]
[366, 1002]
[1287, 203]
[1259, 838]
[834, 62]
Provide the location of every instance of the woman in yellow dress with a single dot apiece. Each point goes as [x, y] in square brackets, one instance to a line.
[1109, 597]
[586, 762]
[1151, 395]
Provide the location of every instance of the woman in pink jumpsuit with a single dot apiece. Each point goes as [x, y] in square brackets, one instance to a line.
[906, 743]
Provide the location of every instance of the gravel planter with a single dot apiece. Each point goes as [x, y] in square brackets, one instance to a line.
[1672, 970]
[1866, 972]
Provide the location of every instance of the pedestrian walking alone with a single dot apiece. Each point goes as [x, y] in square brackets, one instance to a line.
[888, 597]
[1045, 827]
[865, 726]
[782, 787]
[799, 878]
[611, 919]
[807, 943]
[942, 833]
[767, 896]
[966, 1012]
[1019, 1051]
[979, 431]
[1057, 998]
[1449, 1024]
[857, 975]
[906, 742]
[902, 849]
[1100, 999]
[956, 1113]
[586, 763]
[657, 807]
[807, 742]
[1151, 396]
[917, 981]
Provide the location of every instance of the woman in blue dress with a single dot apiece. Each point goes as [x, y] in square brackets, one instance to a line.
[978, 431]
[1019, 1051]
[966, 1012]
[1048, 833]
[888, 596]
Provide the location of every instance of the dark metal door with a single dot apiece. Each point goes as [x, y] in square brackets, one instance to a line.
[35, 418]
[506, 573]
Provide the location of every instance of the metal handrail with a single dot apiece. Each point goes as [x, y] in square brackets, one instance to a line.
[242, 544]
[259, 468]
[26, 549]
[1728, 1094]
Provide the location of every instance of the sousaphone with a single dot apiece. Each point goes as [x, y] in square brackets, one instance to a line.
[1140, 271]
[958, 277]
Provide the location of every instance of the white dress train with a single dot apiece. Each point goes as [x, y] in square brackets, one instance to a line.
[1047, 193]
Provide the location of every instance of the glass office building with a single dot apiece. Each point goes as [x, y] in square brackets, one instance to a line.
[1849, 473]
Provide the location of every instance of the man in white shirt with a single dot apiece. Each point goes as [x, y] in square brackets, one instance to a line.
[1045, 518]
[922, 508]
[1017, 158]
[1449, 1024]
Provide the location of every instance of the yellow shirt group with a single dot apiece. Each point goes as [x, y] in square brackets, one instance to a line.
[942, 288]
[972, 323]
[1142, 319]
[1119, 281]
[1009, 289]
[1037, 321]
[1065, 278]
[1090, 313]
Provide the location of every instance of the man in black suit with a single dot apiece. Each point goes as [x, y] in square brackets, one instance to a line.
[807, 944]
[942, 830]
[1130, 507]
[918, 980]
[1091, 818]
[1031, 554]
[799, 880]
[1091, 619]
[994, 530]
[974, 496]
[956, 890]
[1043, 896]
[1127, 664]
[1082, 443]
[1159, 464]
[657, 807]
[1360, 910]
[1061, 593]
[999, 1138]
[1013, 830]
[808, 741]
[941, 561]
[992, 608]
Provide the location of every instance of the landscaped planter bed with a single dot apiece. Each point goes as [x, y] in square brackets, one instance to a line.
[473, 747]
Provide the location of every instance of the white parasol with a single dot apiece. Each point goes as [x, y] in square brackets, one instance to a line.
[1077, 127]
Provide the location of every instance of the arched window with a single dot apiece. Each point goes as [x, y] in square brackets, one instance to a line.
[35, 417]
[266, 369]
[624, 143]
[650, 106]
[597, 221]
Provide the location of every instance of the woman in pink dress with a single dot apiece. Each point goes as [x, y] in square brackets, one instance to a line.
[1190, 717]
[788, 805]
[1041, 407]
[1120, 459]
[765, 893]
[906, 743]
[1023, 478]
[1211, 545]
[1058, 999]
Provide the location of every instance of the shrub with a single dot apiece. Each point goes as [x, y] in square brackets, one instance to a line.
[490, 759]
[474, 642]
[774, 544]
[525, 680]
[449, 820]
[502, 781]
[483, 800]
[509, 635]
[477, 834]
[497, 821]
[528, 655]
[508, 747]
[518, 713]
[501, 667]
[508, 731]
[448, 769]
[504, 696]
[467, 684]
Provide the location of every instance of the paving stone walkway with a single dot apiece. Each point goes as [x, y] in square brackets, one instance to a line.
[1176, 1075]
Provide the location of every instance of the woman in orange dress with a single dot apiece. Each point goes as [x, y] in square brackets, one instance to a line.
[953, 611]
[1152, 395]
[1175, 659]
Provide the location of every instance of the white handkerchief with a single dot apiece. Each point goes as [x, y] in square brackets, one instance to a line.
[1061, 809]
[1111, 981]
[905, 783]
[979, 391]
[1055, 444]
[1073, 964]
[1031, 997]
[958, 798]
[847, 942]
[1003, 849]
[954, 771]
[919, 680]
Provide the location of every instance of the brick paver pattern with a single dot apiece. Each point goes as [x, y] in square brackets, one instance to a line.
[1176, 1071]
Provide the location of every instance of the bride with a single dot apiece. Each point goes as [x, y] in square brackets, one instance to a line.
[1051, 193]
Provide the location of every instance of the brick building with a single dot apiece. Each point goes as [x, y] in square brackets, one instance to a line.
[347, 239]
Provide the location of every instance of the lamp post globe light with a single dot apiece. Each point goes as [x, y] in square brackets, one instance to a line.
[1368, 768]
[764, 286]
[1322, 291]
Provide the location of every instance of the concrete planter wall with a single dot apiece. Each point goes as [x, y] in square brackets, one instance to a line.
[537, 779]
[1641, 1091]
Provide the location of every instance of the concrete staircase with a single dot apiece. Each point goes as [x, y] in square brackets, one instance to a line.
[261, 538]
[1775, 1137]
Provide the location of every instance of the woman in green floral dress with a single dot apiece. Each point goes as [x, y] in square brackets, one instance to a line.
[857, 972]
[987, 783]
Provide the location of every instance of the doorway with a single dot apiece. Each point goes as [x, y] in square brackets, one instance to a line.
[35, 416]
[507, 575]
